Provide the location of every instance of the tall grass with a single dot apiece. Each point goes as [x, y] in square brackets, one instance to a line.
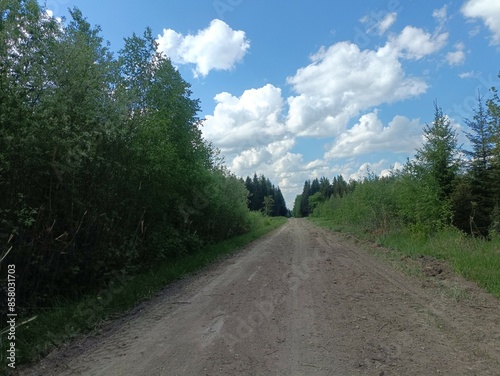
[68, 319]
[473, 258]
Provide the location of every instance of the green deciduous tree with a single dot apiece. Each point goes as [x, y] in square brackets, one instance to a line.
[315, 200]
[268, 205]
[103, 167]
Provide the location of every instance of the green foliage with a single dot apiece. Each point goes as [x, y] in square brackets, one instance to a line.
[480, 174]
[471, 257]
[225, 213]
[438, 155]
[296, 207]
[420, 197]
[103, 168]
[480, 137]
[315, 200]
[268, 205]
[493, 106]
[419, 201]
[265, 197]
[319, 191]
[409, 198]
[370, 206]
[304, 204]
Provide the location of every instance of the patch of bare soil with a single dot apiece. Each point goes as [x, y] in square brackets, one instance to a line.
[299, 301]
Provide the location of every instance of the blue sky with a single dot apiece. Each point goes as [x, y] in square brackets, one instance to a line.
[301, 89]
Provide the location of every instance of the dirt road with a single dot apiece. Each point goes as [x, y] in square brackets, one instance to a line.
[300, 301]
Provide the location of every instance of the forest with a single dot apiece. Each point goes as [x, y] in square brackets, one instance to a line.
[265, 197]
[103, 168]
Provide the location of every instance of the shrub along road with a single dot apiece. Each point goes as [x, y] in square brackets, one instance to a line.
[298, 301]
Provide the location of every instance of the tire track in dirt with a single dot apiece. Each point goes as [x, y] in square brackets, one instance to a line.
[298, 301]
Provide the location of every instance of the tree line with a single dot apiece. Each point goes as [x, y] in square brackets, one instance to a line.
[103, 168]
[318, 191]
[265, 197]
[444, 184]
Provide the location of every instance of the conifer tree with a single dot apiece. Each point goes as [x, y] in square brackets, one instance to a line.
[261, 192]
[481, 184]
[494, 128]
[325, 187]
[438, 155]
[304, 204]
[280, 208]
[296, 207]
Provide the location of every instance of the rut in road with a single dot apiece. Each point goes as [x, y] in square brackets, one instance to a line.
[299, 301]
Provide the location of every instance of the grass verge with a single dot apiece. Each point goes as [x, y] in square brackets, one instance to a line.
[67, 320]
[475, 259]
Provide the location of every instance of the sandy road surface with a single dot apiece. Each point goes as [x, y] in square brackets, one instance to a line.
[300, 301]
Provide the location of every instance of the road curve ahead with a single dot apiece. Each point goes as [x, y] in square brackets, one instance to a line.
[299, 301]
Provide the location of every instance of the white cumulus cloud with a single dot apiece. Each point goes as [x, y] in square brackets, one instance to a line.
[244, 122]
[246, 162]
[456, 57]
[415, 43]
[369, 135]
[218, 47]
[488, 11]
[341, 81]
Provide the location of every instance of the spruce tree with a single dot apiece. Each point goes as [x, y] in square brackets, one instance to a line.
[480, 158]
[279, 203]
[304, 204]
[296, 211]
[494, 129]
[438, 155]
